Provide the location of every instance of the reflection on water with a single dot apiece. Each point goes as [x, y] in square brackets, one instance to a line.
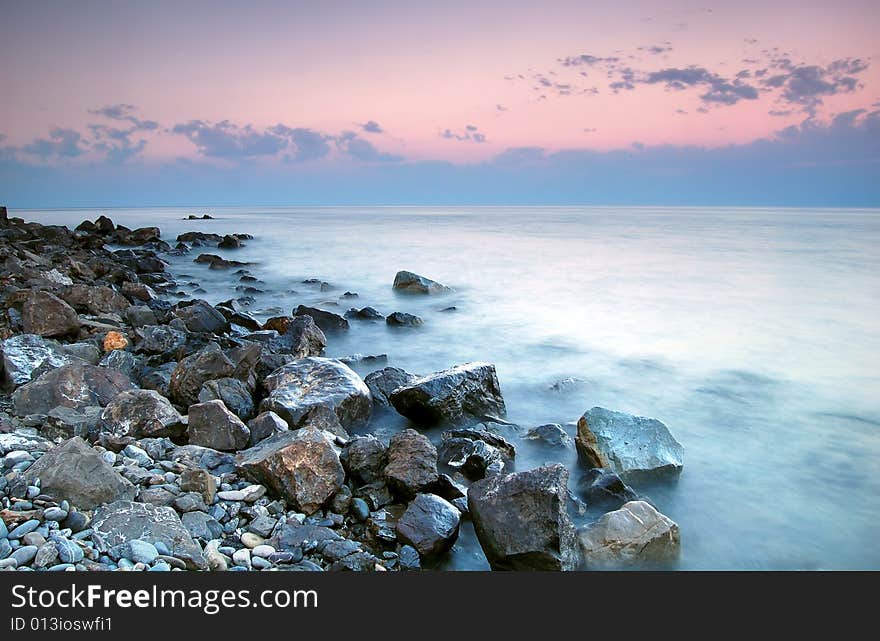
[752, 333]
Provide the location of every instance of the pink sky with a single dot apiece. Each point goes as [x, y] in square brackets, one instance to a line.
[419, 70]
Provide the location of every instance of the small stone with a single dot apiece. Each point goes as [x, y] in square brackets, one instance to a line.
[264, 551]
[76, 521]
[142, 552]
[54, 514]
[253, 492]
[25, 554]
[242, 558]
[69, 552]
[260, 564]
[199, 480]
[251, 540]
[359, 509]
[24, 528]
[231, 495]
[33, 538]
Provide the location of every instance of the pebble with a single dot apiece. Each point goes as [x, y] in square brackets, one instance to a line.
[161, 566]
[242, 558]
[69, 552]
[4, 531]
[161, 548]
[54, 513]
[8, 563]
[138, 455]
[33, 538]
[109, 457]
[15, 457]
[142, 552]
[76, 521]
[125, 564]
[259, 563]
[173, 561]
[359, 510]
[24, 528]
[33, 492]
[263, 551]
[293, 556]
[61, 567]
[5, 548]
[231, 495]
[46, 555]
[251, 540]
[216, 561]
[25, 554]
[252, 492]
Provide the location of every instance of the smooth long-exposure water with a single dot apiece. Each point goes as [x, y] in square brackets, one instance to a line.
[754, 334]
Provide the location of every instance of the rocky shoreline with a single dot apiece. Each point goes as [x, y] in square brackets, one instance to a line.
[139, 431]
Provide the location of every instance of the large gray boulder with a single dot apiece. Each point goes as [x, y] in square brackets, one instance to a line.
[304, 384]
[296, 335]
[453, 395]
[212, 425]
[141, 413]
[74, 386]
[300, 466]
[265, 425]
[199, 316]
[411, 465]
[47, 315]
[233, 392]
[632, 446]
[522, 522]
[634, 535]
[124, 521]
[24, 354]
[158, 339]
[95, 299]
[364, 459]
[75, 472]
[411, 283]
[192, 372]
[384, 381]
[430, 525]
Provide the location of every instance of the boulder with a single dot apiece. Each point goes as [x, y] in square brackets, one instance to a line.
[430, 525]
[384, 381]
[75, 472]
[212, 425]
[299, 466]
[364, 313]
[47, 315]
[402, 319]
[411, 283]
[199, 316]
[522, 522]
[298, 387]
[141, 413]
[327, 321]
[234, 394]
[124, 521]
[73, 386]
[229, 242]
[303, 337]
[24, 354]
[632, 446]
[453, 395]
[602, 490]
[475, 459]
[95, 299]
[198, 236]
[364, 459]
[412, 464]
[209, 363]
[127, 363]
[265, 425]
[634, 535]
[158, 339]
[550, 435]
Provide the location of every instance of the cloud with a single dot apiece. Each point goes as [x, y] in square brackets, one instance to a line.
[62, 143]
[500, 108]
[657, 50]
[470, 132]
[115, 143]
[123, 112]
[717, 89]
[231, 141]
[363, 150]
[304, 144]
[587, 59]
[372, 127]
[806, 85]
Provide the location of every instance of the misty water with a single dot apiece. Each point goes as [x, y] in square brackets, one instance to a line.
[754, 334]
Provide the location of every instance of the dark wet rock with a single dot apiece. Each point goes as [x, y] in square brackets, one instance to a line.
[430, 525]
[364, 313]
[414, 284]
[140, 316]
[97, 299]
[199, 237]
[230, 242]
[265, 425]
[209, 363]
[75, 472]
[402, 319]
[74, 386]
[453, 395]
[412, 464]
[24, 354]
[449, 489]
[300, 466]
[138, 292]
[475, 459]
[158, 378]
[631, 446]
[375, 495]
[384, 381]
[85, 352]
[238, 317]
[364, 459]
[551, 435]
[201, 526]
[47, 315]
[158, 339]
[66, 422]
[234, 394]
[125, 362]
[603, 490]
[298, 387]
[189, 502]
[482, 432]
[216, 262]
[212, 425]
[327, 321]
[299, 336]
[521, 520]
[141, 413]
[125, 521]
[199, 316]
[635, 535]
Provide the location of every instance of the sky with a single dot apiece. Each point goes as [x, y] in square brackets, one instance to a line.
[484, 102]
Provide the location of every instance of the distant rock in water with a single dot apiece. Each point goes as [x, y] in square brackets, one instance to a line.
[634, 535]
[364, 313]
[230, 242]
[327, 321]
[551, 435]
[414, 284]
[632, 446]
[402, 319]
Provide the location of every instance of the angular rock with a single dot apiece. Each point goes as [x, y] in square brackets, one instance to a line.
[158, 339]
[24, 354]
[412, 464]
[402, 319]
[632, 446]
[142, 413]
[199, 316]
[300, 466]
[212, 425]
[475, 459]
[634, 535]
[302, 337]
[96, 300]
[414, 284]
[47, 315]
[384, 381]
[199, 480]
[453, 395]
[265, 425]
[364, 313]
[75, 472]
[124, 521]
[73, 386]
[209, 363]
[430, 525]
[522, 522]
[127, 363]
[364, 459]
[327, 321]
[603, 490]
[298, 387]
[234, 394]
[551, 435]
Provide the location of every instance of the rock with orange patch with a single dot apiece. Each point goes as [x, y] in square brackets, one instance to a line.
[114, 340]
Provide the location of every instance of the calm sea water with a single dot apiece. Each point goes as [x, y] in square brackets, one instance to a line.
[754, 334]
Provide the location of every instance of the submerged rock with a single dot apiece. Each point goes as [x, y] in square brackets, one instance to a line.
[632, 446]
[141, 413]
[402, 319]
[551, 435]
[452, 395]
[522, 522]
[364, 313]
[414, 284]
[634, 535]
[73, 386]
[430, 525]
[304, 384]
[327, 321]
[75, 472]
